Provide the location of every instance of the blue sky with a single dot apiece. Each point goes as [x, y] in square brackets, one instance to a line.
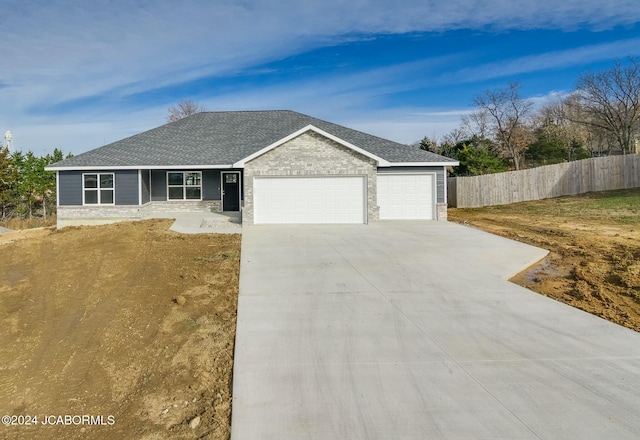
[77, 74]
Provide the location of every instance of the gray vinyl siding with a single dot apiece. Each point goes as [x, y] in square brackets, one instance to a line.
[439, 171]
[127, 187]
[146, 186]
[211, 185]
[70, 188]
[158, 185]
[70, 191]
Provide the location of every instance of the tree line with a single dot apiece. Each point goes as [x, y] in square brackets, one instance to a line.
[26, 189]
[506, 131]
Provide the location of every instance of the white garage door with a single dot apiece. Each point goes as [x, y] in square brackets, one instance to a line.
[405, 196]
[308, 200]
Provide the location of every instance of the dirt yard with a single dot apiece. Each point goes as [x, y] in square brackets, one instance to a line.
[131, 322]
[594, 263]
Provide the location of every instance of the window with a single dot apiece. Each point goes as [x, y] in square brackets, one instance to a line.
[98, 189]
[184, 185]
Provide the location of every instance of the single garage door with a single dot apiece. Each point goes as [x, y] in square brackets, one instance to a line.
[327, 199]
[406, 196]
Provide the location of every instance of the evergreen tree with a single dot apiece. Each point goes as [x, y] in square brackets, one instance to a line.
[477, 156]
[8, 179]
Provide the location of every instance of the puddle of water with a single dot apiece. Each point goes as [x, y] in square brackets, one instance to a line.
[545, 269]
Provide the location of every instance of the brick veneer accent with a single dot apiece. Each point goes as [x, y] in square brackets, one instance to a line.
[311, 154]
[106, 214]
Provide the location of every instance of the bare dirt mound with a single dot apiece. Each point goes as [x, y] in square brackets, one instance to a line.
[594, 260]
[131, 322]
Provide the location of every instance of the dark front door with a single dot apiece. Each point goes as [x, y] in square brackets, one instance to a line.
[231, 191]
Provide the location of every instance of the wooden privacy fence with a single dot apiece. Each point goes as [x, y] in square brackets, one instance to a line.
[569, 178]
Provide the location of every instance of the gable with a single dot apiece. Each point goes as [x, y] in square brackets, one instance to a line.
[310, 151]
[315, 133]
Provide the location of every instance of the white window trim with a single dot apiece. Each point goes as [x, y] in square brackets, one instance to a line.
[58, 188]
[139, 187]
[184, 185]
[98, 190]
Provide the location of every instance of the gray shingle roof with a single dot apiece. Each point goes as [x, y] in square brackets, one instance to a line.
[223, 138]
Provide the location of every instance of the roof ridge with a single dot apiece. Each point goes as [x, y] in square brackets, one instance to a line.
[225, 137]
[362, 132]
[308, 116]
[249, 111]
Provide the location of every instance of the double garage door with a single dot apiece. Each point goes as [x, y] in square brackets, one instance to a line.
[330, 199]
[340, 199]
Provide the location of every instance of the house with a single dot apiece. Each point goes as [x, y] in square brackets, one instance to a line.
[274, 166]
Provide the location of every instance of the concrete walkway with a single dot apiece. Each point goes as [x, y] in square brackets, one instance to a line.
[410, 330]
[203, 222]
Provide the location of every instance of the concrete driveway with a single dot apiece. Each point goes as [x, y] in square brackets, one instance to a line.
[409, 330]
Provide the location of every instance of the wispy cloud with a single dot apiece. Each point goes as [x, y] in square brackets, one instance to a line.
[131, 47]
[58, 53]
[407, 124]
[549, 60]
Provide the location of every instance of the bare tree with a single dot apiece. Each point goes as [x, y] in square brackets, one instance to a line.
[554, 120]
[506, 115]
[183, 109]
[454, 136]
[611, 103]
[476, 124]
[565, 114]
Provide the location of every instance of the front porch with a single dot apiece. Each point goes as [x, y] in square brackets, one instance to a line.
[191, 217]
[228, 222]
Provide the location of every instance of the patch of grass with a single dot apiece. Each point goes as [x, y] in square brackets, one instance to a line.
[620, 206]
[28, 223]
[628, 220]
[627, 199]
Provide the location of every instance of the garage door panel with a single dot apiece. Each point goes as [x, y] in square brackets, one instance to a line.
[406, 196]
[326, 199]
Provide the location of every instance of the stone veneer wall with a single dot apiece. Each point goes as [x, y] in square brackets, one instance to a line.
[441, 212]
[311, 154]
[87, 215]
[200, 206]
